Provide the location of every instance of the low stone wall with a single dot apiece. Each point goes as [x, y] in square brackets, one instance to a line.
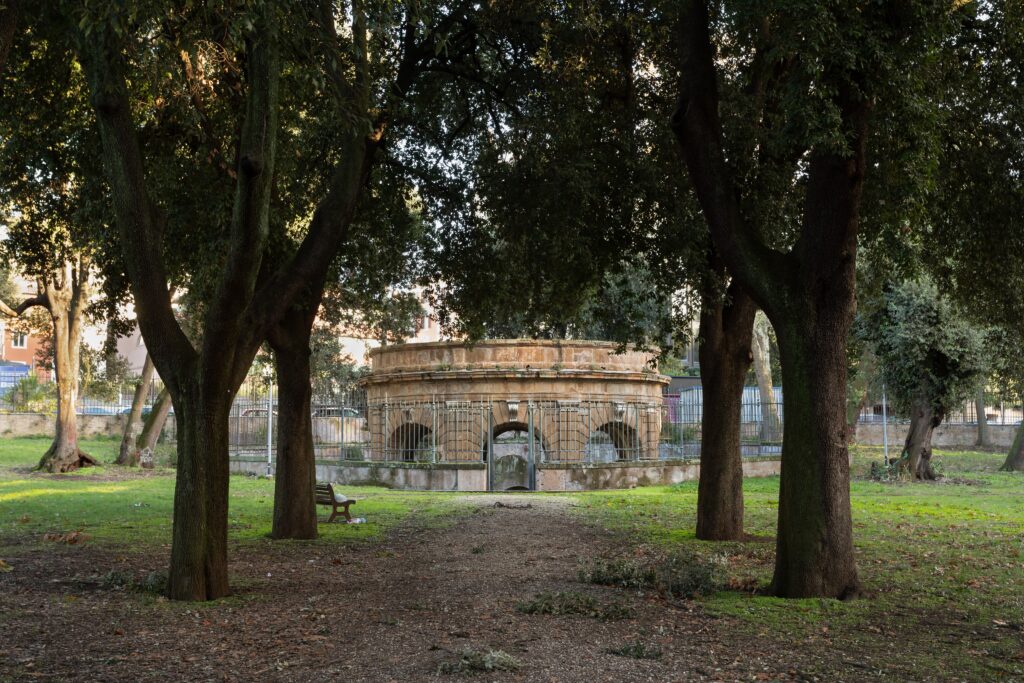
[473, 476]
[38, 424]
[394, 475]
[627, 475]
[945, 436]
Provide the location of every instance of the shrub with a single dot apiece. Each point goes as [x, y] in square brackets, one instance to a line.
[29, 395]
[155, 582]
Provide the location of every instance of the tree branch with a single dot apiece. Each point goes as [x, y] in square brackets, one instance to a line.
[138, 219]
[698, 128]
[250, 217]
[307, 271]
[38, 300]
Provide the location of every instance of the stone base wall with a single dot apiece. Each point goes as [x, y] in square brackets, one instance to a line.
[473, 477]
[37, 424]
[392, 475]
[945, 436]
[627, 475]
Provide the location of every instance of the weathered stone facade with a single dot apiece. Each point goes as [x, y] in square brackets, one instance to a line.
[449, 402]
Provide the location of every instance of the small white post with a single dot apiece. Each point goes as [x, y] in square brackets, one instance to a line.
[270, 428]
[885, 426]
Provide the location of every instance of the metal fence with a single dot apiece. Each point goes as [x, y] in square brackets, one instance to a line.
[1002, 413]
[596, 429]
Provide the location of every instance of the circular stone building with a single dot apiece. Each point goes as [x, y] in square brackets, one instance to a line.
[513, 414]
[509, 414]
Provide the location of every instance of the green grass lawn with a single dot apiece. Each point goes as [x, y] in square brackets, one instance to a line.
[132, 507]
[939, 560]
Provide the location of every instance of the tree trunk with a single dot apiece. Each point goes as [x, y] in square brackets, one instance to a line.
[129, 453]
[984, 439]
[771, 425]
[814, 546]
[295, 477]
[725, 335]
[915, 460]
[154, 424]
[198, 568]
[1015, 459]
[65, 306]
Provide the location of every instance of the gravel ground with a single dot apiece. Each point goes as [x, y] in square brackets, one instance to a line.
[401, 609]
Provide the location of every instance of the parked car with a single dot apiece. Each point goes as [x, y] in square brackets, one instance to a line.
[256, 412]
[335, 411]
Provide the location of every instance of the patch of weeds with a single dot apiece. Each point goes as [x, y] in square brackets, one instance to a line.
[155, 583]
[116, 578]
[685, 575]
[680, 574]
[477, 549]
[573, 602]
[473, 661]
[626, 572]
[636, 651]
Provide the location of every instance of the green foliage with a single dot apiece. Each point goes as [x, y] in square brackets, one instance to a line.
[104, 376]
[561, 211]
[29, 395]
[927, 350]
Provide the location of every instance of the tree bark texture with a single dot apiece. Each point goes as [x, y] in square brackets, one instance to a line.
[725, 335]
[199, 539]
[1015, 458]
[984, 439]
[153, 425]
[814, 545]
[771, 425]
[65, 299]
[808, 294]
[915, 460]
[129, 452]
[295, 476]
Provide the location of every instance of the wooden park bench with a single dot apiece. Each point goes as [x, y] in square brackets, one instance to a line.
[325, 495]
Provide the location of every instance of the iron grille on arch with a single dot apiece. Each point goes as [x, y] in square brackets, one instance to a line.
[584, 430]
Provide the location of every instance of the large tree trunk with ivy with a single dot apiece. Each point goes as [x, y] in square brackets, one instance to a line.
[725, 335]
[808, 294]
[129, 452]
[916, 459]
[1015, 458]
[295, 476]
[771, 425]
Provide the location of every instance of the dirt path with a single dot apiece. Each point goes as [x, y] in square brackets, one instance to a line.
[390, 611]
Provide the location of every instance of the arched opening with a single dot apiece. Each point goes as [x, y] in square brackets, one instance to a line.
[613, 441]
[411, 441]
[510, 448]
